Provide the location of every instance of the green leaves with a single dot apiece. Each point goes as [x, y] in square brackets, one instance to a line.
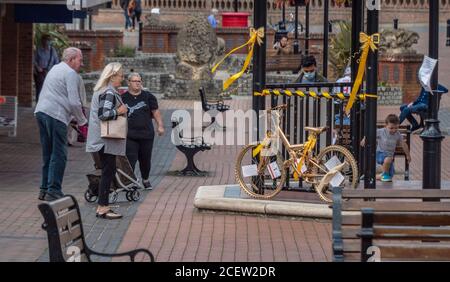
[340, 49]
[59, 40]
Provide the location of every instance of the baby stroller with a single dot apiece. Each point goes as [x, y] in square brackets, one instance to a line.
[125, 181]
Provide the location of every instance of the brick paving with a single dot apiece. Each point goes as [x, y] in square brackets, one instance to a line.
[165, 220]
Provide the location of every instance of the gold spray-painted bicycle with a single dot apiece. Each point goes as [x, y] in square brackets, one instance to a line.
[261, 171]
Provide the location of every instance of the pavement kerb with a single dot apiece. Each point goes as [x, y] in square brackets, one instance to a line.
[212, 198]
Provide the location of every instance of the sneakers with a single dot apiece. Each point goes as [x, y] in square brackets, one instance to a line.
[42, 194]
[52, 197]
[386, 177]
[147, 185]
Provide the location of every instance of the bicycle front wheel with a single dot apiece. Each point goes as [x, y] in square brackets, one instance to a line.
[260, 177]
[349, 171]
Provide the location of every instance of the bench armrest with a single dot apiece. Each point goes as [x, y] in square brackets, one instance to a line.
[132, 254]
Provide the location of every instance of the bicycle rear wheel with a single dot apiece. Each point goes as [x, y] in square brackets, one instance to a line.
[349, 171]
[262, 185]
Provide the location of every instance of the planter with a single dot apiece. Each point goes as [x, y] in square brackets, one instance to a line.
[235, 19]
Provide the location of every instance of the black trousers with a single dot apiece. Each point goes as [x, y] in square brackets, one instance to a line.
[140, 150]
[39, 82]
[108, 172]
[137, 16]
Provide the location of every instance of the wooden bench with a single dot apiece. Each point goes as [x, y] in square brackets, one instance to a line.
[344, 139]
[347, 218]
[419, 236]
[66, 242]
[283, 62]
[189, 147]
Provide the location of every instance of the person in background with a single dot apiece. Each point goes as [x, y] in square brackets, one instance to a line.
[309, 72]
[124, 5]
[282, 46]
[59, 101]
[45, 57]
[137, 13]
[106, 105]
[131, 12]
[212, 18]
[142, 109]
[419, 105]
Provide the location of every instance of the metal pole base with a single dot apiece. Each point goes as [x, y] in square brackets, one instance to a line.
[432, 138]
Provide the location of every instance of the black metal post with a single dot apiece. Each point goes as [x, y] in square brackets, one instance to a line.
[432, 136]
[326, 8]
[355, 115]
[307, 30]
[447, 43]
[395, 23]
[296, 46]
[236, 8]
[283, 13]
[259, 60]
[371, 104]
[141, 26]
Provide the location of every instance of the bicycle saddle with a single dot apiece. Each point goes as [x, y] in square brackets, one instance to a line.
[316, 130]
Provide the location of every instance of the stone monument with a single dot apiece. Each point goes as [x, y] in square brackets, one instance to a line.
[399, 63]
[197, 49]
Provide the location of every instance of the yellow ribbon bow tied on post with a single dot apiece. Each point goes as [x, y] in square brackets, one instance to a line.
[368, 43]
[256, 36]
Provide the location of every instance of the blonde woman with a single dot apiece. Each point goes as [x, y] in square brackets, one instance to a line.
[106, 105]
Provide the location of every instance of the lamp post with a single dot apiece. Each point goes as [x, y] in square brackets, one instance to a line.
[432, 136]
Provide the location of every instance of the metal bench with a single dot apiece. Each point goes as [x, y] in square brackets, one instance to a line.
[213, 107]
[66, 242]
[189, 147]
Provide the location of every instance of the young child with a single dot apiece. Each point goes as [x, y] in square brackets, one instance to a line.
[387, 139]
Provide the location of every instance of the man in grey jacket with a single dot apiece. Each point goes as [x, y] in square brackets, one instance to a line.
[58, 102]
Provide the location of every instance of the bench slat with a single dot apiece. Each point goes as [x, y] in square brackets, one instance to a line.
[408, 219]
[61, 204]
[68, 218]
[398, 206]
[66, 236]
[351, 220]
[411, 232]
[395, 193]
[423, 252]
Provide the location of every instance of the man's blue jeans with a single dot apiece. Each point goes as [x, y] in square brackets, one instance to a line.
[54, 152]
[406, 113]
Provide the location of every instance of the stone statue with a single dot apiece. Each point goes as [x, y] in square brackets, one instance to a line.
[398, 41]
[196, 49]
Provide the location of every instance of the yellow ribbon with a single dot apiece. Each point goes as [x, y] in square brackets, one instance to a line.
[256, 36]
[287, 92]
[327, 95]
[368, 43]
[300, 93]
[313, 94]
[276, 92]
[341, 96]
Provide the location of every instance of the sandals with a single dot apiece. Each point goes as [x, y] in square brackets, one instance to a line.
[109, 215]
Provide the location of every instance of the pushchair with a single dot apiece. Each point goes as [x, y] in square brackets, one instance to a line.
[125, 181]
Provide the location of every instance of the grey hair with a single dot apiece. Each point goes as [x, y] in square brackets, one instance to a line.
[133, 74]
[70, 53]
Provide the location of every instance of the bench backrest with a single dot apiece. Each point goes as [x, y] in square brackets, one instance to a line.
[419, 236]
[64, 230]
[283, 62]
[347, 205]
[203, 99]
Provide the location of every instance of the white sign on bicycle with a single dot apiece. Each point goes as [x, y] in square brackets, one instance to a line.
[338, 178]
[249, 170]
[274, 170]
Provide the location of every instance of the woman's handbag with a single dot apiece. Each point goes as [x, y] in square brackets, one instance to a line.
[115, 128]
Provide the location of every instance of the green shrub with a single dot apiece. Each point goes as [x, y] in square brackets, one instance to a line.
[124, 51]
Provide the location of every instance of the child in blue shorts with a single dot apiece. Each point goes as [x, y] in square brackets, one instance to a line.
[388, 138]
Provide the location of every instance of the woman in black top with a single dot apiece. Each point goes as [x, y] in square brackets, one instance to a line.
[142, 108]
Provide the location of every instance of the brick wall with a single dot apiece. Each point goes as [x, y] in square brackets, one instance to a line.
[401, 70]
[102, 42]
[25, 64]
[16, 58]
